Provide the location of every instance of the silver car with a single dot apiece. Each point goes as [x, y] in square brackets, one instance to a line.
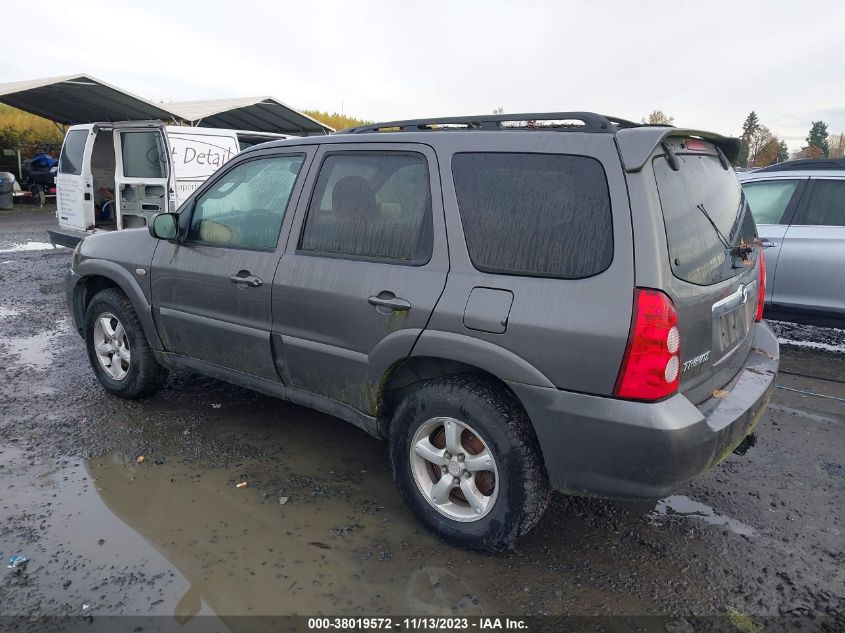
[799, 208]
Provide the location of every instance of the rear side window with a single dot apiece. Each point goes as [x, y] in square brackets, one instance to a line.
[73, 150]
[534, 214]
[374, 205]
[698, 252]
[825, 204]
[768, 200]
[143, 155]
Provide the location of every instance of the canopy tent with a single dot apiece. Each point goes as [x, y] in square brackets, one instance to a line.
[81, 98]
[259, 114]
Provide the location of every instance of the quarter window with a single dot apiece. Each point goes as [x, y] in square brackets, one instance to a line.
[534, 214]
[768, 200]
[246, 206]
[70, 161]
[825, 204]
[374, 205]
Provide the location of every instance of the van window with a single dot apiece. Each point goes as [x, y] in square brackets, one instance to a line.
[702, 187]
[768, 199]
[246, 206]
[70, 161]
[374, 205]
[143, 154]
[534, 214]
[825, 204]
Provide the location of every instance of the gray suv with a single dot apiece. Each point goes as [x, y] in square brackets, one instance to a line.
[516, 303]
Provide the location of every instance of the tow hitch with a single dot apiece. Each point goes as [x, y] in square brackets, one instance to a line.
[749, 441]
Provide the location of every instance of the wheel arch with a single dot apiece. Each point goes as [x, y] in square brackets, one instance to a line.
[95, 276]
[407, 374]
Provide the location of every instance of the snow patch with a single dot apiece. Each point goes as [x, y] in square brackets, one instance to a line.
[29, 246]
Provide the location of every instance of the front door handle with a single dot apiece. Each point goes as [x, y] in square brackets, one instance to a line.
[243, 277]
[768, 244]
[389, 300]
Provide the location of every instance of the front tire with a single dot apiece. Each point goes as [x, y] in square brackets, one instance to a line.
[117, 347]
[467, 462]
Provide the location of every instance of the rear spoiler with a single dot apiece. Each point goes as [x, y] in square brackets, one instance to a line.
[638, 143]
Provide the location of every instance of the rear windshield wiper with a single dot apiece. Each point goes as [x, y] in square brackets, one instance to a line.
[719, 233]
[741, 250]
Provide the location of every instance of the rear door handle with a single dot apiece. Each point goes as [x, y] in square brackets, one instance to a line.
[768, 244]
[389, 300]
[243, 277]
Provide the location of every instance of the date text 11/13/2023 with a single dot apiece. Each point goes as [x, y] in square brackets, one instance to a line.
[418, 624]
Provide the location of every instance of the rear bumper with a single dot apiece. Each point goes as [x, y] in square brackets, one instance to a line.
[66, 237]
[599, 446]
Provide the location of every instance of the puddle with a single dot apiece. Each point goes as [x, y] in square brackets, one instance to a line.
[8, 312]
[244, 552]
[21, 247]
[686, 507]
[34, 351]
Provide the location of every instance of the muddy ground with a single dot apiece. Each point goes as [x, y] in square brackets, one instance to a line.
[320, 529]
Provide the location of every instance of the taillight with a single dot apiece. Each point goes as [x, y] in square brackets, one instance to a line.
[761, 285]
[651, 367]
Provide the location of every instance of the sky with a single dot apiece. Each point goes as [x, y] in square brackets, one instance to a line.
[708, 64]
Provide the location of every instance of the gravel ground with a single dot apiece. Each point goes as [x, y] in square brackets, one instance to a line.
[319, 527]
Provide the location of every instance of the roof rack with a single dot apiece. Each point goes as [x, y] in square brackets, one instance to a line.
[819, 164]
[557, 121]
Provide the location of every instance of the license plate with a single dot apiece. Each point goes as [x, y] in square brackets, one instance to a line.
[733, 327]
[732, 317]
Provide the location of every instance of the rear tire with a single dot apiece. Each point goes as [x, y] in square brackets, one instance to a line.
[117, 347]
[495, 444]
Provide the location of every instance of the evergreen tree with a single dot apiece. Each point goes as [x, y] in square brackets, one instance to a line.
[783, 152]
[749, 130]
[818, 137]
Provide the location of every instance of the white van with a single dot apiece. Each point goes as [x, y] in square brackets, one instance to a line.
[117, 175]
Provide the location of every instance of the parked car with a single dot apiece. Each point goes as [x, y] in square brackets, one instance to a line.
[514, 307]
[799, 207]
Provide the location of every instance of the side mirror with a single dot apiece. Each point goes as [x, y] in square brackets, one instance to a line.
[165, 226]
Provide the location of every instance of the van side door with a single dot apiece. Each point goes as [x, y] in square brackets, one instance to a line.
[74, 196]
[212, 292]
[365, 266]
[143, 173]
[773, 203]
[809, 275]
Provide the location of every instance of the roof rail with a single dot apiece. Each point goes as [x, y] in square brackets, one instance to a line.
[558, 121]
[819, 164]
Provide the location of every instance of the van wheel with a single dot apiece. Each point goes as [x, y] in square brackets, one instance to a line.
[118, 349]
[467, 462]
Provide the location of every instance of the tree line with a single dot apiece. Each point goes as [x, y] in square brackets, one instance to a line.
[761, 148]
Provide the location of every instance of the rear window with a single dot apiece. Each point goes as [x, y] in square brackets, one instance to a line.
[700, 188]
[143, 154]
[534, 214]
[70, 161]
[825, 204]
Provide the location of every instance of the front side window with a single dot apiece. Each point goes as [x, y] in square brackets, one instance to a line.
[143, 154]
[371, 205]
[73, 150]
[534, 214]
[825, 204]
[246, 206]
[768, 199]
